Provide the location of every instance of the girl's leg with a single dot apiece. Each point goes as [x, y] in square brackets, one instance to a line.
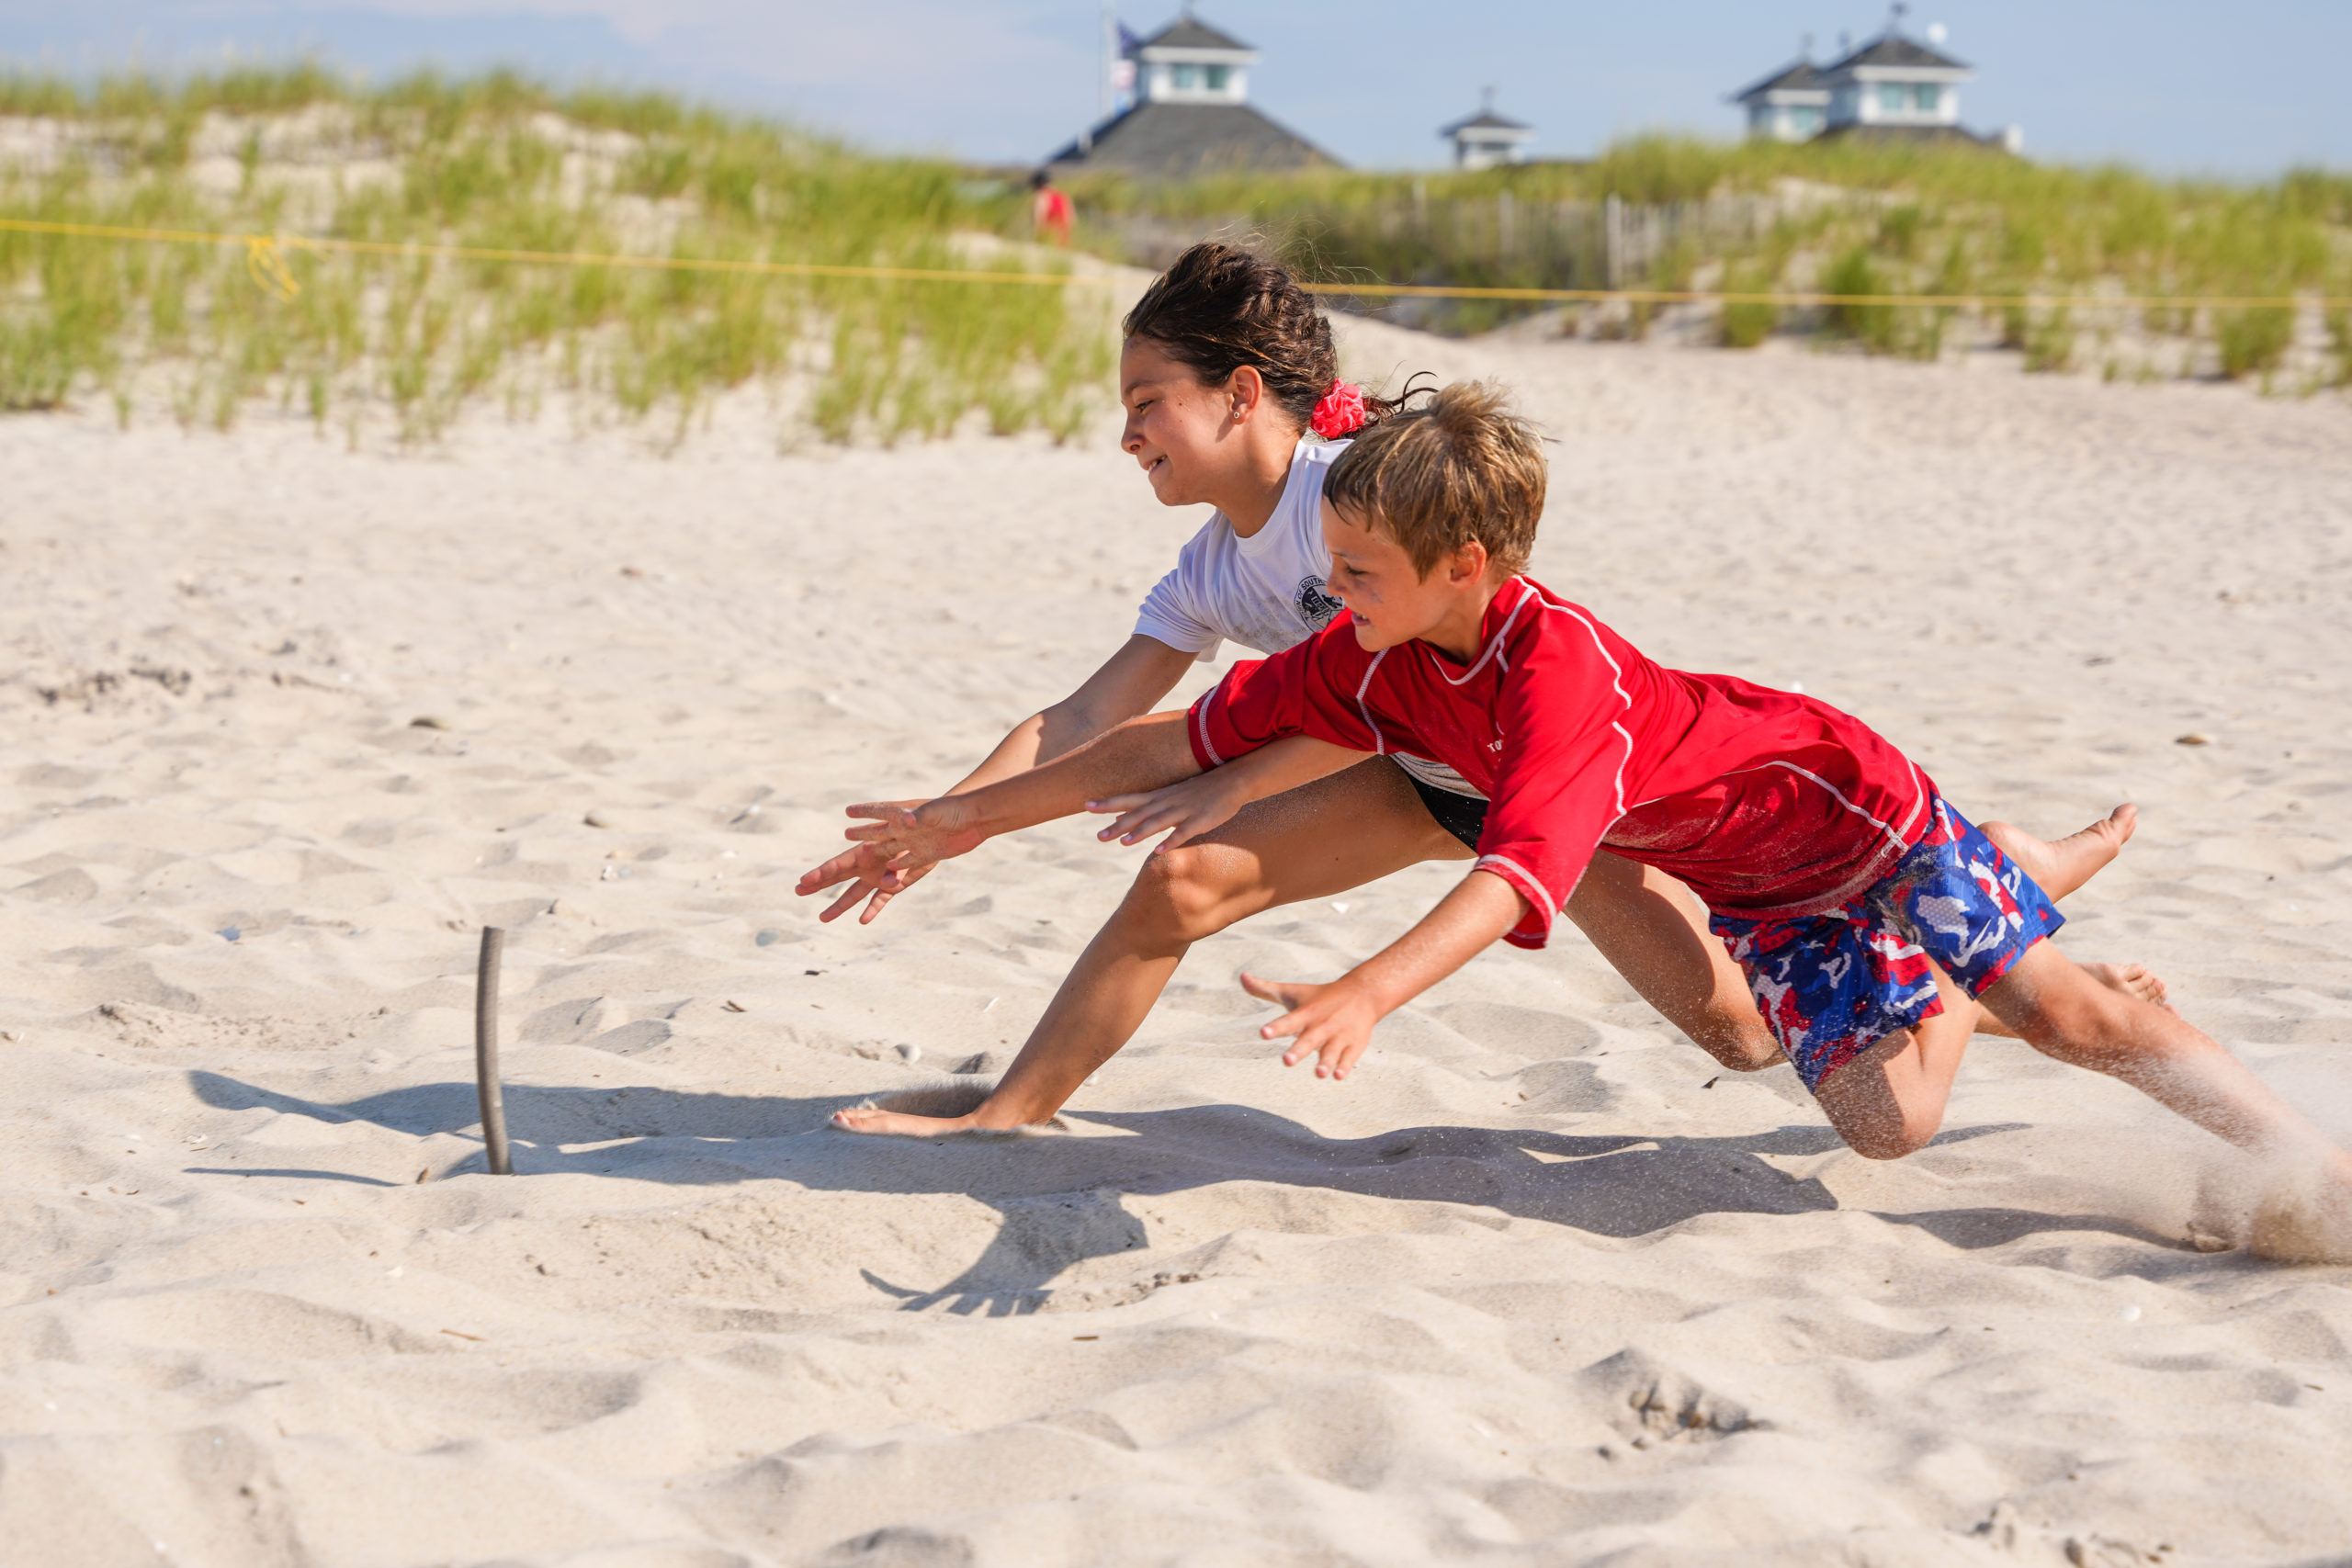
[1321, 838]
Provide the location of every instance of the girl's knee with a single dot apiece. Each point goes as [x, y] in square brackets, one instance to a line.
[1182, 893]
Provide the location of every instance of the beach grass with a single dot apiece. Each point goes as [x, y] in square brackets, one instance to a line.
[1767, 216]
[497, 162]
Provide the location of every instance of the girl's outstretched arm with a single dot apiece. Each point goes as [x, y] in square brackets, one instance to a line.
[1141, 754]
[1333, 1022]
[1144, 670]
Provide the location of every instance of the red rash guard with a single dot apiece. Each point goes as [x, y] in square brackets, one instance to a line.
[1765, 803]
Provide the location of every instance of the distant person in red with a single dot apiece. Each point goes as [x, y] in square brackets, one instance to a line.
[1050, 210]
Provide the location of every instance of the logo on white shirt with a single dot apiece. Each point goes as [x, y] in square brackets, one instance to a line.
[1314, 606]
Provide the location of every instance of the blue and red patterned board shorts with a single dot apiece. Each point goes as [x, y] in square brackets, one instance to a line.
[1830, 985]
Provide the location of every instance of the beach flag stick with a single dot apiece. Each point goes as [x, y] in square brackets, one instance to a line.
[493, 1102]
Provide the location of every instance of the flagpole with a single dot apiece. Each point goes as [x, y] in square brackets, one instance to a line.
[1103, 88]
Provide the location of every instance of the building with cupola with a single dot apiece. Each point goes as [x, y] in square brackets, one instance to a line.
[1188, 112]
[1486, 138]
[1893, 87]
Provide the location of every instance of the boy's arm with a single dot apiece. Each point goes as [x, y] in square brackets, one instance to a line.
[1141, 754]
[1190, 808]
[1333, 1022]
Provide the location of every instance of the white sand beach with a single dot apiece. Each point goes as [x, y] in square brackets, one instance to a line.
[284, 724]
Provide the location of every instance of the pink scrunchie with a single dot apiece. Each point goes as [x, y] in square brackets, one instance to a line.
[1340, 413]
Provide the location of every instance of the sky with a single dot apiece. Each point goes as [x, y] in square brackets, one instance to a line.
[2246, 88]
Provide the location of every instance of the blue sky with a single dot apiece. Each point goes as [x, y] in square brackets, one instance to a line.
[2246, 88]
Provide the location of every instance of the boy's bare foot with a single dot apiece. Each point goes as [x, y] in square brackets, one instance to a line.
[2132, 980]
[2306, 1216]
[2060, 867]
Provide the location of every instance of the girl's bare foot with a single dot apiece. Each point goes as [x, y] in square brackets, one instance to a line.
[2059, 868]
[936, 1110]
[900, 1124]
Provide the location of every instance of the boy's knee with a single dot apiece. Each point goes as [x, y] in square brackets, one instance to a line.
[1180, 891]
[1743, 1047]
[1891, 1142]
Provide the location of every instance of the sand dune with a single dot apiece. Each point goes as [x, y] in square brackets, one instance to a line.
[285, 725]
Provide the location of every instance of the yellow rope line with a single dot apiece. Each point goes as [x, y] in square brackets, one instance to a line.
[265, 260]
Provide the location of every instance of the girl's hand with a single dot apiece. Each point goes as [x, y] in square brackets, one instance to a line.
[866, 868]
[1330, 1023]
[913, 841]
[897, 846]
[1191, 808]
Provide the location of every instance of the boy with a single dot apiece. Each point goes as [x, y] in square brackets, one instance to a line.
[1837, 874]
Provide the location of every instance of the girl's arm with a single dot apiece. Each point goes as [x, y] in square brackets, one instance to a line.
[1206, 801]
[1144, 670]
[1333, 1022]
[1130, 682]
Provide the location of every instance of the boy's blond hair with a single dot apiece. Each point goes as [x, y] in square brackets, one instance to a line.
[1462, 467]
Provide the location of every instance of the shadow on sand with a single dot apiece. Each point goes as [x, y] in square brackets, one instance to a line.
[1060, 1197]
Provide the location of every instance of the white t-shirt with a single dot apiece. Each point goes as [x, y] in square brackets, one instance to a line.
[1265, 591]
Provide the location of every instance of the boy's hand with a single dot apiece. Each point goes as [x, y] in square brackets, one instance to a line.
[1199, 805]
[1330, 1023]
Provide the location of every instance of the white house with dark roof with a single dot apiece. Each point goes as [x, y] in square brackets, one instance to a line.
[1791, 104]
[1893, 87]
[1191, 113]
[1486, 138]
[1896, 82]
[1188, 61]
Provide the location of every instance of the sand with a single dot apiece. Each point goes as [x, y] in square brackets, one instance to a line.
[284, 724]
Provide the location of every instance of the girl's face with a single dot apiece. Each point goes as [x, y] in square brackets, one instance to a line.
[1186, 433]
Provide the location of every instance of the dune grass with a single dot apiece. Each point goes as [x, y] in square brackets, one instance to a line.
[498, 162]
[1764, 217]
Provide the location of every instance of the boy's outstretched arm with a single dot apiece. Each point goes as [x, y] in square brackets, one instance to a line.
[1141, 754]
[1333, 1022]
[1190, 808]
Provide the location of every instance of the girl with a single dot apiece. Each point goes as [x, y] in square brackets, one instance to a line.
[1228, 367]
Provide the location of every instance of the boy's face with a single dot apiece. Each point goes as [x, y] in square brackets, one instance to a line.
[1388, 600]
[1177, 425]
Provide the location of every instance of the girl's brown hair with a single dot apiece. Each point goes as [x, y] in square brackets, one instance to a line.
[1220, 307]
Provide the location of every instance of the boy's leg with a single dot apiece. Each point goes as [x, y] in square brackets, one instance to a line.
[1889, 1101]
[1324, 838]
[1653, 931]
[2067, 1015]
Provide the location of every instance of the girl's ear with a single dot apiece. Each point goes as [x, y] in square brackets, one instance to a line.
[1247, 388]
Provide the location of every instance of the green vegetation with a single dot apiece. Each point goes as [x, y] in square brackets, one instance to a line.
[1767, 216]
[497, 162]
